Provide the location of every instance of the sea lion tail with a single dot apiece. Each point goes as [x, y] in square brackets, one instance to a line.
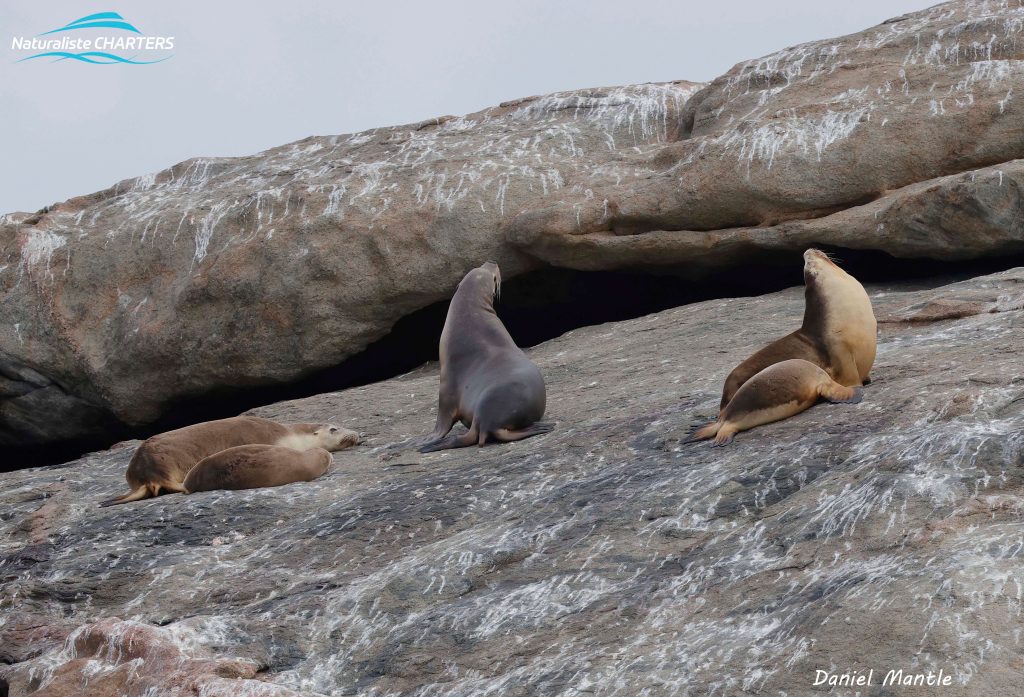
[704, 432]
[141, 493]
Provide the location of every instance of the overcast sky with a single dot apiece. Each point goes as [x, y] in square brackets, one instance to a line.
[266, 73]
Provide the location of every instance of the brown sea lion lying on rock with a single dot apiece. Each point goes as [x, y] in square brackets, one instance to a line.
[162, 462]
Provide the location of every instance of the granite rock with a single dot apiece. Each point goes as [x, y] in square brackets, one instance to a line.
[605, 558]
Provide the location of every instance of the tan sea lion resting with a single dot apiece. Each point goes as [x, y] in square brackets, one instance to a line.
[777, 392]
[162, 462]
[839, 333]
[487, 382]
[255, 466]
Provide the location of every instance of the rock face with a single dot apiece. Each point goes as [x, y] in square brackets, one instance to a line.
[605, 558]
[224, 273]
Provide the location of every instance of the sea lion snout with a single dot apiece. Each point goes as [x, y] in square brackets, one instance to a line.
[333, 437]
[815, 260]
[814, 252]
[813, 256]
[491, 271]
[814, 263]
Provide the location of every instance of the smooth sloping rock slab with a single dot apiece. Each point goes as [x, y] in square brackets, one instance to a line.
[605, 558]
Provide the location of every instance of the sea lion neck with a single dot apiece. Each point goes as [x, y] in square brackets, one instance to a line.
[814, 304]
[477, 295]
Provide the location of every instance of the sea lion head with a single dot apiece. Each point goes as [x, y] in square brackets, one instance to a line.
[817, 265]
[486, 278]
[332, 437]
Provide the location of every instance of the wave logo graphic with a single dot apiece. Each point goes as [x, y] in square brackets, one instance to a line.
[97, 49]
[110, 20]
[94, 57]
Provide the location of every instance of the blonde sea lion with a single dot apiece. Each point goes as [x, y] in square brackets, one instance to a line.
[487, 382]
[775, 393]
[256, 466]
[162, 462]
[839, 332]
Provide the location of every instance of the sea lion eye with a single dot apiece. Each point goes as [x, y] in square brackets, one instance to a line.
[333, 429]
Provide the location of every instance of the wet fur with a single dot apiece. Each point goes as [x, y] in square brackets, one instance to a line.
[161, 463]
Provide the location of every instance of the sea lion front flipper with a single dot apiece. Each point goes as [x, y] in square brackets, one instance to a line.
[446, 418]
[467, 439]
[724, 437]
[506, 435]
[847, 372]
[423, 442]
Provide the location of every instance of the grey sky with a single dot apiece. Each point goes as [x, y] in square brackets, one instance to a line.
[251, 75]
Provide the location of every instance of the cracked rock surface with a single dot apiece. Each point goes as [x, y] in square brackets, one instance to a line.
[605, 558]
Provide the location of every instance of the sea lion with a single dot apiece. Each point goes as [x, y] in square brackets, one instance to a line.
[839, 332]
[487, 382]
[775, 393]
[162, 461]
[255, 466]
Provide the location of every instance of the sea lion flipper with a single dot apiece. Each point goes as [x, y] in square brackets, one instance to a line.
[141, 493]
[839, 394]
[467, 439]
[704, 432]
[507, 435]
[430, 439]
[723, 438]
[446, 418]
[425, 442]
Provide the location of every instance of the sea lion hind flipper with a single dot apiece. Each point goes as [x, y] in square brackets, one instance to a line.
[507, 435]
[838, 394]
[174, 488]
[142, 492]
[704, 432]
